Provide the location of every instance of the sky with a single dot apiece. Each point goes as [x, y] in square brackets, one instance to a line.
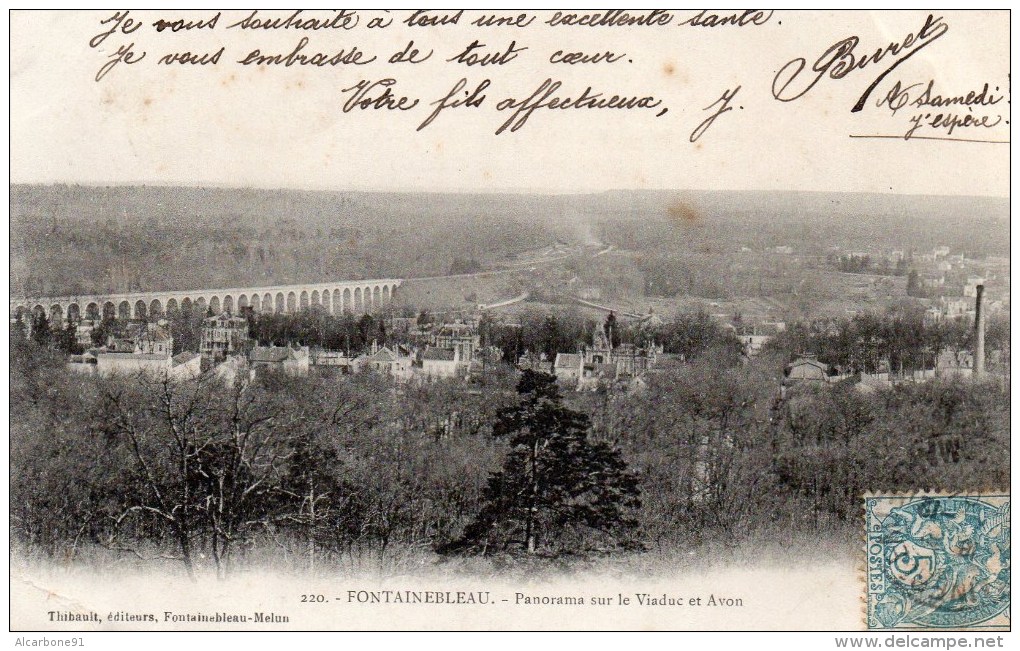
[233, 125]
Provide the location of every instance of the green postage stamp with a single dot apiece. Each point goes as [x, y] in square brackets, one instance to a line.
[938, 562]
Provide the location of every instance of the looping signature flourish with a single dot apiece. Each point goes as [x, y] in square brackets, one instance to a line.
[841, 59]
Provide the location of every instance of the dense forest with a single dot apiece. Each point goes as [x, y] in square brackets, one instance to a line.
[78, 239]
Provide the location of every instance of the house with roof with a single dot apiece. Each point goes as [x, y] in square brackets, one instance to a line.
[153, 340]
[567, 367]
[146, 349]
[283, 359]
[142, 338]
[223, 335]
[157, 365]
[459, 336]
[334, 361]
[443, 363]
[385, 361]
[807, 368]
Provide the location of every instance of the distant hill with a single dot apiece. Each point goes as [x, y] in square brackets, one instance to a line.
[69, 239]
[76, 239]
[813, 222]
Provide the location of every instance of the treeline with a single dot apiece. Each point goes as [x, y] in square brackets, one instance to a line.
[900, 339]
[319, 329]
[719, 274]
[361, 473]
[539, 331]
[43, 333]
[69, 240]
[568, 330]
[720, 457]
[864, 264]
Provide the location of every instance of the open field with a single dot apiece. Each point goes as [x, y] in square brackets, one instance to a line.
[460, 292]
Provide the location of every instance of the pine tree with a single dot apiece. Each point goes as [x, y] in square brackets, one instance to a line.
[41, 329]
[557, 493]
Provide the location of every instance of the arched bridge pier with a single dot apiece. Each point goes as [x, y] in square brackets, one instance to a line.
[346, 297]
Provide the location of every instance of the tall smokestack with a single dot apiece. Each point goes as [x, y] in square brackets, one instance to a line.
[979, 333]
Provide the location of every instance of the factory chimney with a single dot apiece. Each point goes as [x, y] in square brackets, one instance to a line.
[979, 333]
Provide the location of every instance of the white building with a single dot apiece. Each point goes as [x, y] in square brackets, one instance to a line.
[149, 352]
[234, 369]
[443, 363]
[83, 332]
[290, 361]
[184, 366]
[223, 335]
[385, 362]
[333, 359]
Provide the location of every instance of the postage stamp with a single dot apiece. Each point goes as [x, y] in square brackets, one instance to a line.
[938, 561]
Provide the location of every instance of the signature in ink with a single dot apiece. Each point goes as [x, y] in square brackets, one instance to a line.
[843, 58]
[723, 104]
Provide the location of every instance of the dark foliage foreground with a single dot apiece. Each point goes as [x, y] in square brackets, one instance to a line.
[327, 472]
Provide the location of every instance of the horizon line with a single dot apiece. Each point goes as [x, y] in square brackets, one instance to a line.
[476, 191]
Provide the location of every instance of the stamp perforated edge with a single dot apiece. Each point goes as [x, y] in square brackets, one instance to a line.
[862, 559]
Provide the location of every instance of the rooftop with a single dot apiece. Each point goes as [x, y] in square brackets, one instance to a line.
[225, 319]
[567, 360]
[270, 354]
[133, 356]
[384, 355]
[184, 358]
[439, 355]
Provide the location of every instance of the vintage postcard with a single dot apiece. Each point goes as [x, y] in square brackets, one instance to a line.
[475, 320]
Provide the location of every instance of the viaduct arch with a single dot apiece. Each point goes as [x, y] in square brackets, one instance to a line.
[353, 297]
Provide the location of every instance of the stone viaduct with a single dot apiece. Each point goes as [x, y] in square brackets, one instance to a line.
[354, 296]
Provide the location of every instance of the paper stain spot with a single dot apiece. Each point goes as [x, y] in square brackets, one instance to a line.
[669, 69]
[684, 213]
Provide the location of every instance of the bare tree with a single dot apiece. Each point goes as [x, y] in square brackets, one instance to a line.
[162, 425]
